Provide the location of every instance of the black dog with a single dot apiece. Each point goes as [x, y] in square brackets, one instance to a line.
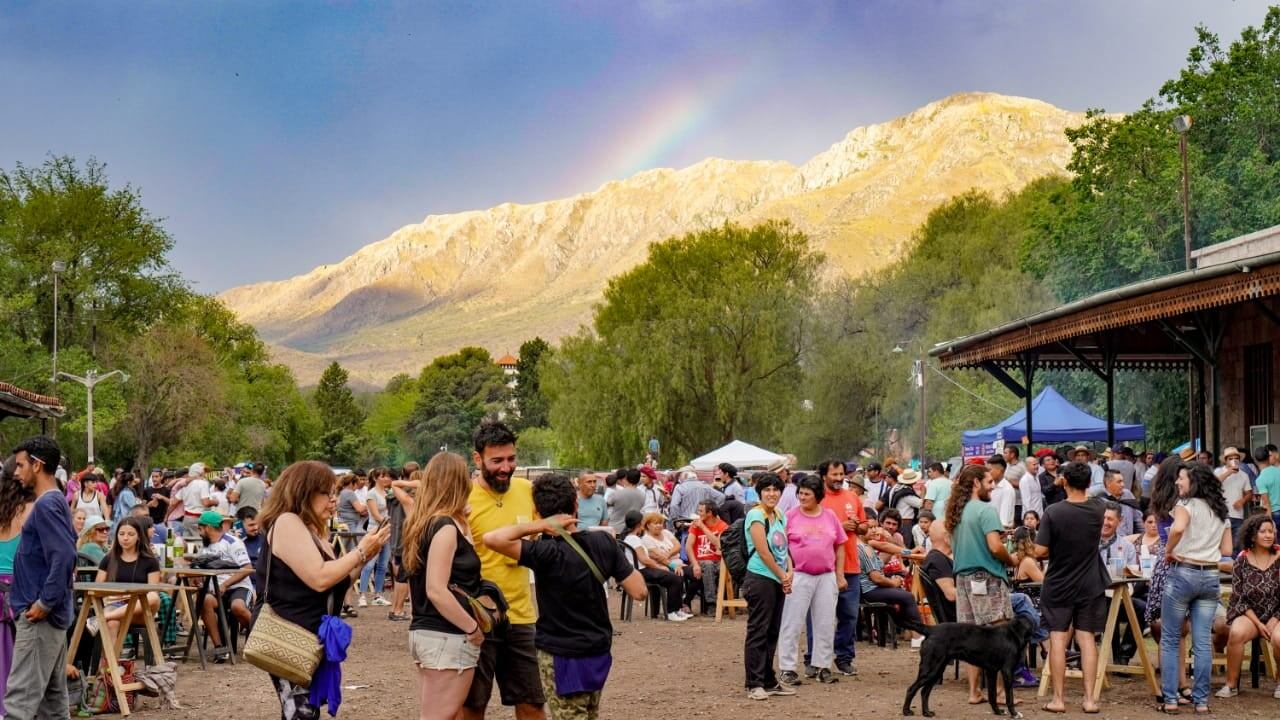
[995, 649]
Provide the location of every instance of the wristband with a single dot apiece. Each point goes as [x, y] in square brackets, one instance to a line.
[364, 558]
[474, 631]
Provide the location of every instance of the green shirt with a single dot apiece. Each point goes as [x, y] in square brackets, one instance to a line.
[969, 542]
[1269, 483]
[938, 490]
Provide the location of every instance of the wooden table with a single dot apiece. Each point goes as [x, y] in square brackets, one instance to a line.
[136, 594]
[1121, 597]
[208, 583]
[725, 598]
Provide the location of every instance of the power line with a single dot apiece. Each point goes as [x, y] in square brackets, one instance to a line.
[942, 375]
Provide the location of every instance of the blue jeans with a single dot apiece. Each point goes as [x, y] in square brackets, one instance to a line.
[1023, 606]
[1188, 592]
[380, 579]
[846, 622]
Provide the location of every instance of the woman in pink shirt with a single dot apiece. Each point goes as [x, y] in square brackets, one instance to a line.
[816, 539]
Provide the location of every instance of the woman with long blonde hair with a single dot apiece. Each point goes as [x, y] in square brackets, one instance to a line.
[439, 556]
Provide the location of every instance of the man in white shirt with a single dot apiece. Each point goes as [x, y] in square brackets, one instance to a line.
[1236, 488]
[1003, 496]
[197, 497]
[236, 586]
[1029, 489]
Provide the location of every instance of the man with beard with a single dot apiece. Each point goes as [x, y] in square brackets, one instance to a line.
[982, 583]
[499, 500]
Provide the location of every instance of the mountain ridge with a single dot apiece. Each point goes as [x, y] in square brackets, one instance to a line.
[429, 287]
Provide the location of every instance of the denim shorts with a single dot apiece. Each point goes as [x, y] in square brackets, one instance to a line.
[434, 650]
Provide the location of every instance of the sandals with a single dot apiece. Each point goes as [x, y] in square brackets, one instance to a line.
[1167, 709]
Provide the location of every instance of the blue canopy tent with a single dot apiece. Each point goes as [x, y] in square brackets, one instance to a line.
[1054, 420]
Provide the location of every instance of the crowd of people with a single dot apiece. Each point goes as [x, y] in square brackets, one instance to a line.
[505, 581]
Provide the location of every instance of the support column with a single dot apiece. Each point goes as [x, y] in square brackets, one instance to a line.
[1109, 363]
[1028, 376]
[1202, 402]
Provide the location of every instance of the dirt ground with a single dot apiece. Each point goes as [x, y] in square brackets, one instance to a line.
[661, 670]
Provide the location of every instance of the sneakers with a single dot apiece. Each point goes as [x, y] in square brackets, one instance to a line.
[916, 643]
[826, 678]
[380, 601]
[348, 611]
[1229, 692]
[92, 626]
[757, 693]
[1024, 678]
[845, 667]
[789, 677]
[362, 602]
[810, 671]
[398, 617]
[677, 617]
[1275, 694]
[780, 690]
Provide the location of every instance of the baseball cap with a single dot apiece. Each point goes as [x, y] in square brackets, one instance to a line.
[212, 518]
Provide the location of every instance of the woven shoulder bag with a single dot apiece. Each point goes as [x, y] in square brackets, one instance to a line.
[282, 648]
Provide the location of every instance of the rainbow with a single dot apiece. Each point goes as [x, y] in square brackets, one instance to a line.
[663, 127]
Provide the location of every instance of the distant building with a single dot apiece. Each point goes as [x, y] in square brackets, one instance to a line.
[508, 365]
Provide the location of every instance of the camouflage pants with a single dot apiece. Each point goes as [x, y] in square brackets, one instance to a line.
[578, 706]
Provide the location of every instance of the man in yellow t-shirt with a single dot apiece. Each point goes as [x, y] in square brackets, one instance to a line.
[508, 655]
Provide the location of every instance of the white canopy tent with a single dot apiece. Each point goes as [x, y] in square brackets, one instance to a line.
[740, 454]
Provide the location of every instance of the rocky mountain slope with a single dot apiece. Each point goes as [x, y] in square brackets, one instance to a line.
[499, 276]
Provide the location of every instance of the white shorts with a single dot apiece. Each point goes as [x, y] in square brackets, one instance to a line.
[434, 650]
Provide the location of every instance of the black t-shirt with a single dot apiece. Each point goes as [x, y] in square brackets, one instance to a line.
[573, 608]
[464, 572]
[1052, 492]
[1075, 574]
[130, 572]
[937, 566]
[161, 509]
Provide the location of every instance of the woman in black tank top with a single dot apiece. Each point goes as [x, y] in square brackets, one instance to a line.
[306, 581]
[439, 555]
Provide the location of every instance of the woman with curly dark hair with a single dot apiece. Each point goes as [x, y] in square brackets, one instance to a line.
[1254, 610]
[15, 505]
[1199, 537]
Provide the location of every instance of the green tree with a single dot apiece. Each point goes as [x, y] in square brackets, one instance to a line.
[389, 412]
[700, 344]
[341, 418]
[455, 392]
[117, 279]
[530, 402]
[174, 384]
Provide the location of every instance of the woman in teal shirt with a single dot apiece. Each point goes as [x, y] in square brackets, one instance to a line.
[767, 582]
[15, 505]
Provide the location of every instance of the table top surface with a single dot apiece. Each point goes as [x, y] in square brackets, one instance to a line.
[195, 572]
[118, 588]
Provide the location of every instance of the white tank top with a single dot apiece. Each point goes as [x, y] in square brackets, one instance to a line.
[90, 507]
[1202, 540]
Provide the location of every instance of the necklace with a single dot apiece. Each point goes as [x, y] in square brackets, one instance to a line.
[497, 499]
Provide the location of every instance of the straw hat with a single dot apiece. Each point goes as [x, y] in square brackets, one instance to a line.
[1082, 448]
[1229, 453]
[1187, 454]
[909, 477]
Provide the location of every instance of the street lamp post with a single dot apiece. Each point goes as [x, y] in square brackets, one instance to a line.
[1181, 125]
[58, 268]
[91, 379]
[918, 379]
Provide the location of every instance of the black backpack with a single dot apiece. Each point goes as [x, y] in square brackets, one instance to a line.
[734, 550]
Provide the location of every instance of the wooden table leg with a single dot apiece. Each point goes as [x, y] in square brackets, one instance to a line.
[153, 635]
[224, 626]
[1104, 652]
[109, 654]
[125, 624]
[194, 635]
[1147, 669]
[78, 633]
[720, 596]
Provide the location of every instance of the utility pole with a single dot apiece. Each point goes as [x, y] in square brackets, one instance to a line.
[58, 268]
[1181, 125]
[89, 381]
